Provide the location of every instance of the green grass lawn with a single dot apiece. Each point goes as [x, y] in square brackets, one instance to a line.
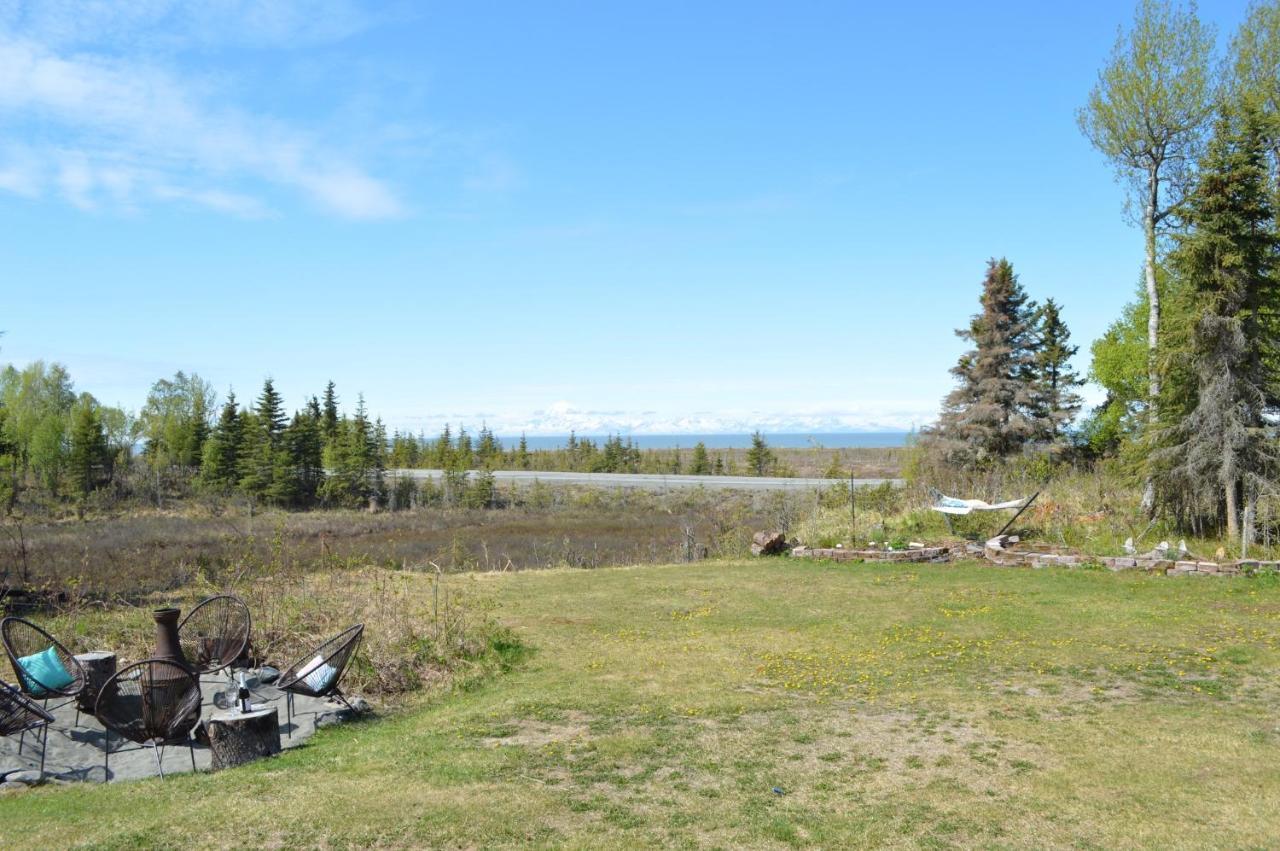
[783, 703]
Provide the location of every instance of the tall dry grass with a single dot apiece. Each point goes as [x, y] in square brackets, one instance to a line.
[422, 630]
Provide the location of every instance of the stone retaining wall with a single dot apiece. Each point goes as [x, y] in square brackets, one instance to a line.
[996, 552]
[919, 554]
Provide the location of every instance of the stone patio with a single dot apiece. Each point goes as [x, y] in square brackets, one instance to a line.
[75, 752]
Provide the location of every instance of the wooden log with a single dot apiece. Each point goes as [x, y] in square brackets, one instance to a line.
[99, 666]
[239, 737]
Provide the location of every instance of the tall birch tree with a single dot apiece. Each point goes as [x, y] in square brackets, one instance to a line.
[1147, 114]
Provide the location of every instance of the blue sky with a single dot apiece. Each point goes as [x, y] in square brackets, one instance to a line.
[647, 216]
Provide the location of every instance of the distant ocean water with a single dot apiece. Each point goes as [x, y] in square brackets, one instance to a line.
[840, 440]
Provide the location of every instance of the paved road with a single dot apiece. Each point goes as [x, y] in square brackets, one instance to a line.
[651, 481]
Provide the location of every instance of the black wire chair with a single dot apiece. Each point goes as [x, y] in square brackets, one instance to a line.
[319, 673]
[153, 703]
[215, 634]
[20, 714]
[22, 638]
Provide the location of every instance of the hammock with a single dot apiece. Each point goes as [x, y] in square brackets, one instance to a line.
[951, 505]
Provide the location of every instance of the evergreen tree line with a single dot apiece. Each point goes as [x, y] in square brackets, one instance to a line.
[317, 456]
[56, 444]
[1190, 368]
[460, 451]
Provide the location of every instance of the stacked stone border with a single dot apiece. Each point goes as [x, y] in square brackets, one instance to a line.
[915, 555]
[997, 551]
[1008, 551]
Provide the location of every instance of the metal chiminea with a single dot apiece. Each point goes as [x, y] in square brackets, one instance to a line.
[163, 681]
[167, 644]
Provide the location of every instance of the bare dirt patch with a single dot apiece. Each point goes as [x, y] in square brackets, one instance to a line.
[534, 733]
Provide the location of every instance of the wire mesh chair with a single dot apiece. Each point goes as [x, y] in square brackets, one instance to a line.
[154, 703]
[215, 634]
[21, 639]
[19, 714]
[319, 673]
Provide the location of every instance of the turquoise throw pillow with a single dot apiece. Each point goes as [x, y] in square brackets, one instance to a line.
[45, 672]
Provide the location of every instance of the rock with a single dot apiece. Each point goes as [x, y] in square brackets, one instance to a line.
[329, 717]
[29, 777]
[768, 543]
[268, 674]
[6, 786]
[360, 705]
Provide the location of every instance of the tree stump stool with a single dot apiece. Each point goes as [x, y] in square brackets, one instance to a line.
[99, 666]
[239, 737]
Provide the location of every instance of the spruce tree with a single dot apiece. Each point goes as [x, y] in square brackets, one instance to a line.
[345, 486]
[760, 458]
[442, 456]
[330, 421]
[376, 460]
[88, 456]
[222, 450]
[283, 487]
[488, 448]
[522, 453]
[1054, 401]
[1228, 257]
[463, 456]
[835, 470]
[270, 411]
[986, 416]
[701, 464]
[304, 440]
[261, 443]
[257, 457]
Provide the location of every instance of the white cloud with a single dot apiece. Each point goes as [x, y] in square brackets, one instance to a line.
[129, 131]
[19, 173]
[215, 199]
[562, 417]
[184, 24]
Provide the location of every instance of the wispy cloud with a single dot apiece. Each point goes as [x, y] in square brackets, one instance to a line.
[183, 24]
[108, 128]
[563, 417]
